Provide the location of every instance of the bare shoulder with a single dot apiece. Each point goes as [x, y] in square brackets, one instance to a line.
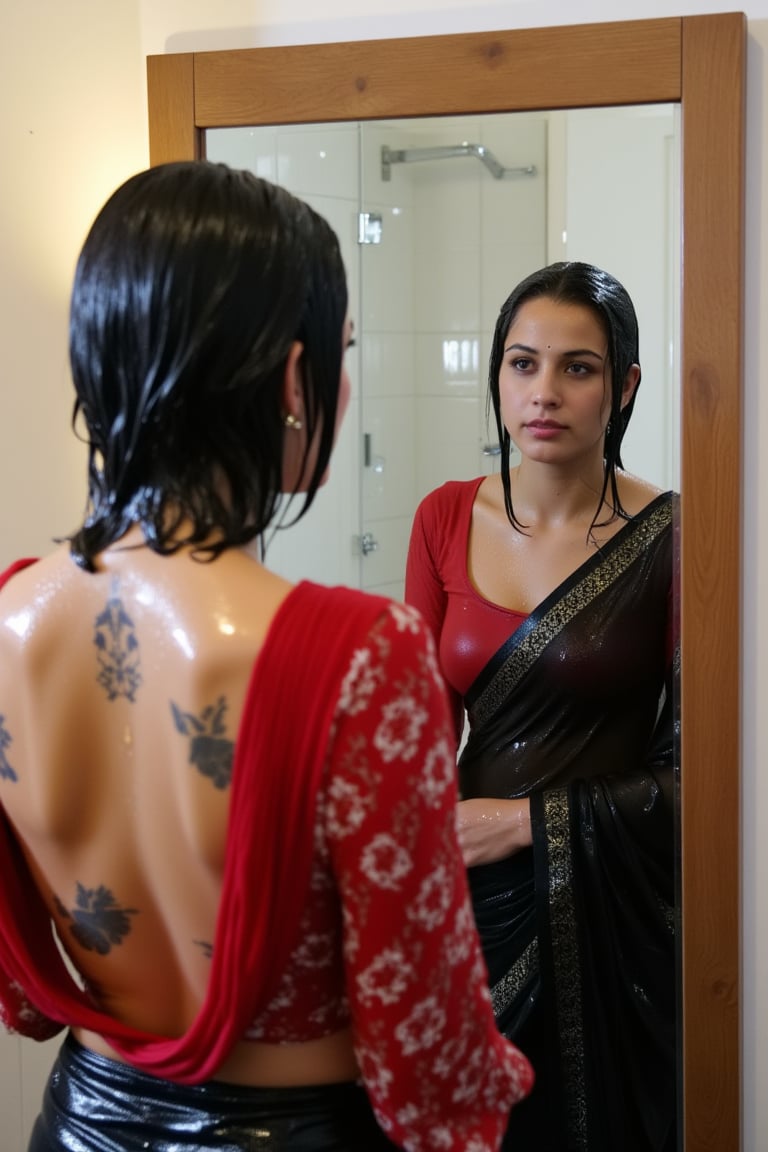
[24, 580]
[25, 595]
[635, 492]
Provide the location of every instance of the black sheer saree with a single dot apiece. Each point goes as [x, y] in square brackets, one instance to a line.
[577, 711]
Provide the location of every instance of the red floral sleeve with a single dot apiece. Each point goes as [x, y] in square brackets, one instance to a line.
[439, 1074]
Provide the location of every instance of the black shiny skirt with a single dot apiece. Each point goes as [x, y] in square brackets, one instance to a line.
[93, 1104]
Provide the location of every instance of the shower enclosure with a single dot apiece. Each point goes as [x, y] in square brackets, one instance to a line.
[438, 219]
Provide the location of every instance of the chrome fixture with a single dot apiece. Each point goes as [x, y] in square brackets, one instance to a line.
[390, 156]
[368, 543]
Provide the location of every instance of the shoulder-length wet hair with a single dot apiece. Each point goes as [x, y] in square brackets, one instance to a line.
[571, 282]
[192, 285]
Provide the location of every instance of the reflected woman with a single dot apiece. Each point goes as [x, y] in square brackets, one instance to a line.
[550, 590]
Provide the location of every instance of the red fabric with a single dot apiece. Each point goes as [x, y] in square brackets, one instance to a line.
[15, 567]
[467, 628]
[345, 900]
[270, 836]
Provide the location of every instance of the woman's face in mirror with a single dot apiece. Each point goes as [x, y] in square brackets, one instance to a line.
[554, 381]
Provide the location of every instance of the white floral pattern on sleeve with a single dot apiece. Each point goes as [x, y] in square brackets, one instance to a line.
[438, 1073]
[387, 940]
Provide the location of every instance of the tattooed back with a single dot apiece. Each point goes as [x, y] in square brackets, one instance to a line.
[120, 700]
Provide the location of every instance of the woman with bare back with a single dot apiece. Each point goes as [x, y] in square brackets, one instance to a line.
[227, 800]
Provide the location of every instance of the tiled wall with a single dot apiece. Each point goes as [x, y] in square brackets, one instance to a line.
[454, 241]
[321, 165]
[623, 213]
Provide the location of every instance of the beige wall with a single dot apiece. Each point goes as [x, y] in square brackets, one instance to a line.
[73, 126]
[71, 90]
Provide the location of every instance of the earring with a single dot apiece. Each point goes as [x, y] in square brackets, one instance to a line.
[293, 422]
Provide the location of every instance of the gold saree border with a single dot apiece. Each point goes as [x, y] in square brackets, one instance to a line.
[567, 606]
[504, 991]
[566, 963]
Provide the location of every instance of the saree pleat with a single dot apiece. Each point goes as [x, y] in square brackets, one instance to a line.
[577, 711]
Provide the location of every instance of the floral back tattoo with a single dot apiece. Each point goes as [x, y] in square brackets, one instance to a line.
[97, 921]
[210, 750]
[117, 650]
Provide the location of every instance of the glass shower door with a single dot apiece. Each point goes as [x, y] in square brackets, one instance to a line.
[431, 249]
[441, 240]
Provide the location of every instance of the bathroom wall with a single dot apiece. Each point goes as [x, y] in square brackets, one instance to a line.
[452, 242]
[461, 239]
[321, 164]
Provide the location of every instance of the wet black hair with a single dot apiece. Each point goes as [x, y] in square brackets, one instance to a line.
[571, 282]
[192, 286]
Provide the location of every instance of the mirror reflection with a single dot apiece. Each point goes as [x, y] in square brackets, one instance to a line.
[439, 219]
[548, 589]
[433, 245]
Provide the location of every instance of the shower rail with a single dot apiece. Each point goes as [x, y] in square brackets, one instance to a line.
[390, 156]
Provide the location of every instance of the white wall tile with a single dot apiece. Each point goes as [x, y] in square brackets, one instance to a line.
[388, 363]
[388, 483]
[385, 568]
[504, 265]
[387, 273]
[251, 148]
[450, 429]
[319, 159]
[515, 203]
[448, 204]
[447, 289]
[449, 364]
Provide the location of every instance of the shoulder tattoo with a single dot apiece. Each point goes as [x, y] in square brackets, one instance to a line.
[7, 771]
[210, 750]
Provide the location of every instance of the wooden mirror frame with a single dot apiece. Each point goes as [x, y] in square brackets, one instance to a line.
[698, 62]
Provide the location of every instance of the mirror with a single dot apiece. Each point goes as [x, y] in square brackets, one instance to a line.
[697, 62]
